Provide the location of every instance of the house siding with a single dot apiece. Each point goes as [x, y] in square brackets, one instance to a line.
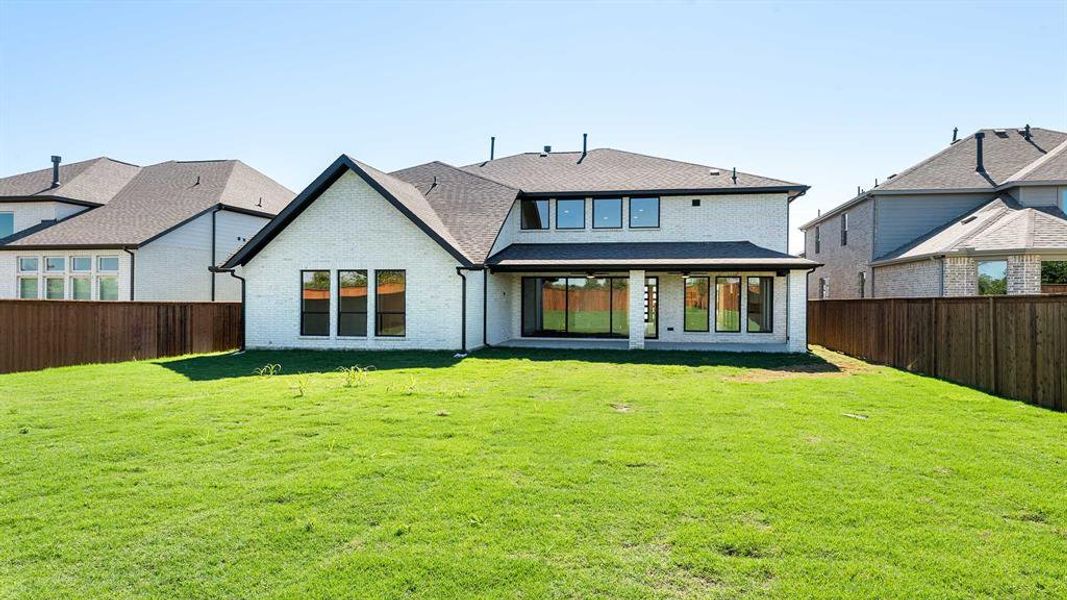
[232, 230]
[30, 214]
[902, 219]
[1038, 195]
[351, 226]
[842, 264]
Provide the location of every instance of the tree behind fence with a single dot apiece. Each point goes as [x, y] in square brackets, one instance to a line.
[1013, 346]
[49, 333]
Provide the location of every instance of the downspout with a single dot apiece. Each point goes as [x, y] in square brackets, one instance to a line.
[485, 308]
[941, 279]
[215, 270]
[463, 318]
[133, 269]
[213, 238]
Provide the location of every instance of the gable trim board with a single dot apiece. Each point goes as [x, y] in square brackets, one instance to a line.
[316, 189]
[42, 198]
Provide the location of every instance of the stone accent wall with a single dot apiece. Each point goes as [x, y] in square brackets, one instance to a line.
[1024, 274]
[908, 280]
[961, 276]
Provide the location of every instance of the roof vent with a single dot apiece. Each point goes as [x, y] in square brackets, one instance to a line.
[1001, 132]
[546, 151]
[891, 176]
[735, 176]
[1026, 132]
[715, 172]
[955, 135]
[55, 170]
[968, 219]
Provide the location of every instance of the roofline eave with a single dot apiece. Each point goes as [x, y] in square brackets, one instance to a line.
[50, 198]
[718, 191]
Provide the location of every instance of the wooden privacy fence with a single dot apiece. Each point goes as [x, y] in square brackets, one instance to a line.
[50, 333]
[1013, 346]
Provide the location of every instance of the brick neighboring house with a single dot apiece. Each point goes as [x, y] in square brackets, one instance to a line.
[979, 217]
[103, 229]
[597, 249]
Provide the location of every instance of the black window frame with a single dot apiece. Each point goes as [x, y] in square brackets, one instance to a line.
[654, 280]
[844, 229]
[715, 310]
[710, 309]
[818, 240]
[522, 214]
[566, 333]
[630, 211]
[378, 312]
[303, 332]
[340, 311]
[769, 282]
[606, 199]
[573, 199]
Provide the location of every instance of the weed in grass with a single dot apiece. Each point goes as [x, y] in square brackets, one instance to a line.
[300, 385]
[268, 370]
[442, 413]
[411, 387]
[356, 375]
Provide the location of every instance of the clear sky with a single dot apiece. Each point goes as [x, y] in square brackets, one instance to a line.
[832, 95]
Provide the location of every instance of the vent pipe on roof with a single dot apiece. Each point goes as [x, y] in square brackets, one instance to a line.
[734, 175]
[585, 143]
[1026, 132]
[978, 137]
[492, 147]
[55, 170]
[955, 134]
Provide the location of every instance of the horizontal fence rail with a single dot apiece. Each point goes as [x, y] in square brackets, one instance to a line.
[50, 333]
[1012, 346]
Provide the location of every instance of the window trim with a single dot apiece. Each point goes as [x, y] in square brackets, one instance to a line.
[378, 305]
[711, 299]
[739, 303]
[621, 220]
[522, 216]
[301, 296]
[572, 199]
[763, 279]
[630, 211]
[365, 313]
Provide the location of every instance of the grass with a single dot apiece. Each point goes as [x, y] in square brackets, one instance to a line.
[524, 475]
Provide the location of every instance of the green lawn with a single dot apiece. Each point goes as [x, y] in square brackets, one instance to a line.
[524, 475]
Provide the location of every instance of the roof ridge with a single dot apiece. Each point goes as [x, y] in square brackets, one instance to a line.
[1008, 212]
[1023, 172]
[466, 172]
[693, 164]
[899, 175]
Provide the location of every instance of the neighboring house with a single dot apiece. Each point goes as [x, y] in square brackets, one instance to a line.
[603, 248]
[983, 216]
[107, 230]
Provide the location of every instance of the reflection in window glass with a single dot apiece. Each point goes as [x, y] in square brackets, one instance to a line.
[760, 303]
[352, 303]
[607, 213]
[315, 303]
[391, 303]
[28, 264]
[992, 277]
[107, 263]
[81, 263]
[55, 263]
[534, 214]
[727, 304]
[80, 288]
[28, 288]
[7, 224]
[575, 306]
[1054, 272]
[570, 213]
[697, 302]
[54, 288]
[108, 288]
[651, 307]
[644, 212]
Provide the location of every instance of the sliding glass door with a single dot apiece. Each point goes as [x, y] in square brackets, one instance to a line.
[575, 307]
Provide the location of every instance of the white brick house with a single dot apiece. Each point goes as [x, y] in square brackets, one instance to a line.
[573, 249]
[107, 230]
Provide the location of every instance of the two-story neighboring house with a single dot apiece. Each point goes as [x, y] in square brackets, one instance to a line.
[603, 248]
[986, 215]
[102, 229]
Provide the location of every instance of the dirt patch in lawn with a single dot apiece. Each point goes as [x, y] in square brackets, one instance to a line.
[831, 364]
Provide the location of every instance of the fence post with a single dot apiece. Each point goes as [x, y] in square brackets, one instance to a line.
[993, 342]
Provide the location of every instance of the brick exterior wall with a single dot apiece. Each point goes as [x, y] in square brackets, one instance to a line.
[842, 264]
[961, 276]
[908, 280]
[1024, 274]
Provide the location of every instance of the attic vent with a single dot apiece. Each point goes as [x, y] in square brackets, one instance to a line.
[891, 176]
[715, 172]
[1001, 132]
[546, 151]
[968, 219]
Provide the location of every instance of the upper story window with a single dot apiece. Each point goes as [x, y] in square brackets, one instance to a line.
[607, 213]
[844, 229]
[534, 214]
[55, 264]
[7, 224]
[818, 240]
[107, 263]
[28, 264]
[570, 213]
[644, 213]
[81, 264]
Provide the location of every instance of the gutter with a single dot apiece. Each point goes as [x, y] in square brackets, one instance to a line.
[463, 309]
[133, 269]
[216, 270]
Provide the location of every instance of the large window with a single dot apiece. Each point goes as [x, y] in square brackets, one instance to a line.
[28, 288]
[697, 303]
[575, 306]
[727, 304]
[570, 213]
[7, 224]
[107, 287]
[992, 277]
[314, 303]
[534, 214]
[607, 213]
[760, 305]
[391, 304]
[644, 213]
[352, 303]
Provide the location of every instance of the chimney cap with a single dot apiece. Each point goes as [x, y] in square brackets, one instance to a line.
[56, 158]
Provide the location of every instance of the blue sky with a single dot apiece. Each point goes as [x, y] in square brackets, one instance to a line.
[827, 94]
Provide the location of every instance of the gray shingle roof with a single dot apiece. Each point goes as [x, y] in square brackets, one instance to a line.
[650, 254]
[1005, 152]
[610, 170]
[161, 197]
[471, 207]
[1051, 168]
[1002, 225]
[94, 181]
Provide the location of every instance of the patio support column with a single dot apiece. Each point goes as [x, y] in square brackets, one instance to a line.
[637, 309]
